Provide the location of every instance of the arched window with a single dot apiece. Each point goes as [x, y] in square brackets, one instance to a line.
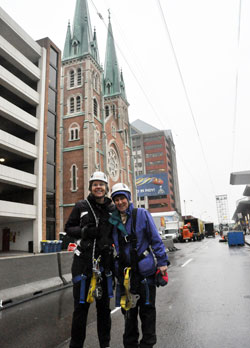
[74, 177]
[72, 105]
[108, 88]
[79, 76]
[75, 47]
[126, 136]
[71, 78]
[78, 103]
[74, 131]
[95, 107]
[113, 110]
[107, 111]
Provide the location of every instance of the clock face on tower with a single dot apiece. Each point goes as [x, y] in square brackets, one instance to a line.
[113, 164]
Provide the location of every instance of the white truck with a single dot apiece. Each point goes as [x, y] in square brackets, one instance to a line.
[168, 224]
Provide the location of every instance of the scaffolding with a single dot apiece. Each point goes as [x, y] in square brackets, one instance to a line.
[222, 209]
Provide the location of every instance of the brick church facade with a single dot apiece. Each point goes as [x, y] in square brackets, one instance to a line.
[95, 131]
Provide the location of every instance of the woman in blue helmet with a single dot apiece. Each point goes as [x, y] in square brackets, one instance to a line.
[139, 246]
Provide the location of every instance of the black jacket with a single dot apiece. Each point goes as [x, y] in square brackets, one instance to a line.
[80, 220]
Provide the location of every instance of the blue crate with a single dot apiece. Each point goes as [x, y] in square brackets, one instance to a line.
[235, 238]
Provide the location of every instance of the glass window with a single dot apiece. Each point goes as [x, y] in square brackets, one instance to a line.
[51, 150]
[52, 77]
[95, 108]
[71, 78]
[50, 230]
[74, 177]
[52, 100]
[106, 111]
[50, 205]
[78, 103]
[53, 57]
[50, 177]
[72, 105]
[79, 76]
[51, 127]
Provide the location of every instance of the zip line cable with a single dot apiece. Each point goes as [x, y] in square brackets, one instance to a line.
[145, 95]
[132, 72]
[236, 89]
[185, 90]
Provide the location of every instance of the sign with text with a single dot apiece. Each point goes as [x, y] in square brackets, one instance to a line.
[152, 185]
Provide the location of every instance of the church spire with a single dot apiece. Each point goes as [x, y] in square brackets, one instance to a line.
[81, 41]
[112, 79]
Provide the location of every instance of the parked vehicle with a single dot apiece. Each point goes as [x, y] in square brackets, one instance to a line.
[186, 233]
[168, 224]
[197, 226]
[209, 229]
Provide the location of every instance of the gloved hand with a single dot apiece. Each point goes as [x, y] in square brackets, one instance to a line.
[161, 279]
[89, 231]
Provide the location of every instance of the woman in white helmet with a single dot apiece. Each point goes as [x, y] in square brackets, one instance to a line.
[138, 244]
[93, 260]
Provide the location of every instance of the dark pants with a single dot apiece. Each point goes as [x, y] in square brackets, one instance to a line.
[79, 320]
[147, 315]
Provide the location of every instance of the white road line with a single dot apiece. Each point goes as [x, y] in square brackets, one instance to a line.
[115, 310]
[184, 264]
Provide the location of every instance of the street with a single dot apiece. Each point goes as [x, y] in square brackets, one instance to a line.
[206, 304]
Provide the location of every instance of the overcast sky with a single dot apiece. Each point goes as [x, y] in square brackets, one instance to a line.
[190, 90]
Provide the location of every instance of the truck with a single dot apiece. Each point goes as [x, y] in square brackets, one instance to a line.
[168, 224]
[197, 227]
[209, 229]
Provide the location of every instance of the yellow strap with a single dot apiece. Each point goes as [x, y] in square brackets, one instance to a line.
[126, 301]
[92, 288]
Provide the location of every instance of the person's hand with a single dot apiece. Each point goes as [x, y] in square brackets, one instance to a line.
[163, 269]
[90, 231]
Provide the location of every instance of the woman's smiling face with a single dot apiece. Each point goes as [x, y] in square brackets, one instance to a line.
[121, 203]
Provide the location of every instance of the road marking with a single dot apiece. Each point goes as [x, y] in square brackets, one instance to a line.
[115, 310]
[184, 264]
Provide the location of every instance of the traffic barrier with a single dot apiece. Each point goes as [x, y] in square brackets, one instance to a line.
[23, 277]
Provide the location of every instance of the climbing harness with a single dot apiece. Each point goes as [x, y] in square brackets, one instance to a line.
[128, 300]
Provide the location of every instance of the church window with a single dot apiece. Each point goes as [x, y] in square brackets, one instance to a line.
[72, 105]
[79, 76]
[74, 177]
[106, 111]
[113, 110]
[74, 131]
[72, 78]
[95, 107]
[78, 103]
[108, 88]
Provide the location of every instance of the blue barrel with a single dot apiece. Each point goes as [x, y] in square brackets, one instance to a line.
[59, 245]
[45, 246]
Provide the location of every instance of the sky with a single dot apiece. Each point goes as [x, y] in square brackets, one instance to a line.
[186, 67]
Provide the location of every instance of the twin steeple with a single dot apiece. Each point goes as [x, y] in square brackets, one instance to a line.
[82, 41]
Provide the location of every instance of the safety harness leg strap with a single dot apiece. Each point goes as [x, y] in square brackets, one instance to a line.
[81, 278]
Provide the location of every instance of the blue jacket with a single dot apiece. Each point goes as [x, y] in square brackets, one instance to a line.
[147, 235]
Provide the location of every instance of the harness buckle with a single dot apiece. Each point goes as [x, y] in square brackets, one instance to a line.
[126, 238]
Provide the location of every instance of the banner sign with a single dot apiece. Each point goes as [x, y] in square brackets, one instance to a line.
[152, 185]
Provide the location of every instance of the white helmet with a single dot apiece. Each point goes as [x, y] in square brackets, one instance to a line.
[120, 187]
[98, 176]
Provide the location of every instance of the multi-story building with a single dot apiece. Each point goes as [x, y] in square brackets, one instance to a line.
[155, 163]
[95, 127]
[29, 146]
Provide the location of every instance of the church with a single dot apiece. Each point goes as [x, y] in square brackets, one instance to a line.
[95, 129]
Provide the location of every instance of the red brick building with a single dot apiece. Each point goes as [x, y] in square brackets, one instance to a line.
[154, 153]
[95, 129]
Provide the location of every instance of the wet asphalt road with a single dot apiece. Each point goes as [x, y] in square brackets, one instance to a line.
[205, 305]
